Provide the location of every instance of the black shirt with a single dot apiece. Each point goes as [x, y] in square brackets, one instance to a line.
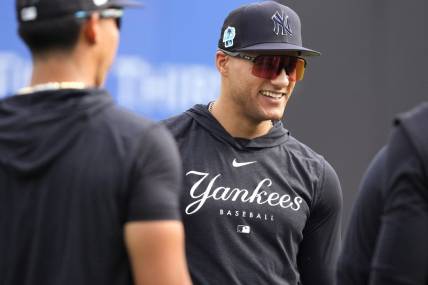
[387, 237]
[74, 168]
[260, 211]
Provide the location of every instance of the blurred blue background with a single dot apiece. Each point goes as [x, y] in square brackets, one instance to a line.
[165, 62]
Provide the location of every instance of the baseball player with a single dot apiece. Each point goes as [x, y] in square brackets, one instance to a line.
[89, 192]
[259, 207]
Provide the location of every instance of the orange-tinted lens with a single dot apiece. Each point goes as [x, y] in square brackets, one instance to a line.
[300, 68]
[270, 66]
[267, 66]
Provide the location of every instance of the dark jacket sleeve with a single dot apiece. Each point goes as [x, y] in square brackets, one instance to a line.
[353, 267]
[401, 254]
[322, 234]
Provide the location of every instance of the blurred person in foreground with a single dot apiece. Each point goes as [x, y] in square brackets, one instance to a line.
[259, 207]
[386, 241]
[88, 191]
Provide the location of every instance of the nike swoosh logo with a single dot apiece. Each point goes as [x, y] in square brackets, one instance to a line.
[239, 164]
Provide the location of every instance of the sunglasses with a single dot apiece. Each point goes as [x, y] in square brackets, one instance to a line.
[111, 13]
[270, 66]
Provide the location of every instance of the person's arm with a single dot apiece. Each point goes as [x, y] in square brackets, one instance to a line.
[154, 234]
[156, 251]
[319, 249]
[355, 259]
[401, 253]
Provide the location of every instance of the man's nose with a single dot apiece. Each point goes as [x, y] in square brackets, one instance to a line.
[282, 80]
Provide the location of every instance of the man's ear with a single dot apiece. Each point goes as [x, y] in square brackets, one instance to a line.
[90, 29]
[222, 63]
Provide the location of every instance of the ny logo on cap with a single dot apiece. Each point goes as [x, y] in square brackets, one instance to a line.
[281, 24]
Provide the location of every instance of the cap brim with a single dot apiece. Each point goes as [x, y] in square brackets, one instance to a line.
[280, 48]
[125, 3]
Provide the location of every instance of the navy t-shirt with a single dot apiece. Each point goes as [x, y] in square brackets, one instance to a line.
[74, 168]
[260, 211]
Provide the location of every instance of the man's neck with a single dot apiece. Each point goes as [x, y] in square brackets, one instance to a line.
[59, 68]
[50, 86]
[237, 125]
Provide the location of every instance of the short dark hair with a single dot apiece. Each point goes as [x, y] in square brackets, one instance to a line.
[52, 35]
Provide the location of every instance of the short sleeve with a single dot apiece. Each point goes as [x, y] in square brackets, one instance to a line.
[156, 178]
[322, 234]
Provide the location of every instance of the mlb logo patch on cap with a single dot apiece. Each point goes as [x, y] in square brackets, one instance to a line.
[228, 36]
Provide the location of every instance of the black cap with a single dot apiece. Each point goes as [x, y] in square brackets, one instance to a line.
[265, 27]
[37, 10]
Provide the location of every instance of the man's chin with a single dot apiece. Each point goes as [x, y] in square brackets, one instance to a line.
[274, 116]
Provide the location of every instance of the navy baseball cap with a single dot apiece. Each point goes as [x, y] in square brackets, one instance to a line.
[38, 10]
[263, 27]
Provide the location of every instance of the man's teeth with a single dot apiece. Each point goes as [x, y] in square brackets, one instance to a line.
[276, 95]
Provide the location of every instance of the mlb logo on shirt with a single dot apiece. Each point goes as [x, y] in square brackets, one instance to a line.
[243, 229]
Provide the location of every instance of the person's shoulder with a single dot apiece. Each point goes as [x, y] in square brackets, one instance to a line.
[303, 151]
[178, 124]
[420, 111]
[407, 144]
[136, 133]
[128, 132]
[172, 121]
[414, 122]
[311, 162]
[125, 122]
[411, 130]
